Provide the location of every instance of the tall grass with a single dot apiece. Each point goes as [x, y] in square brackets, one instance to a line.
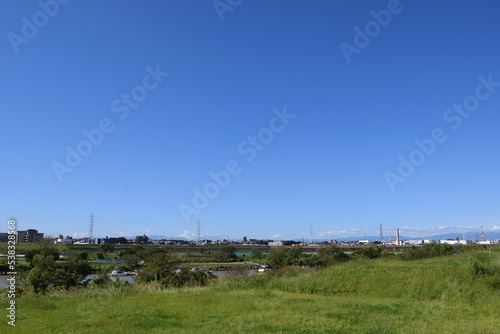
[437, 295]
[467, 279]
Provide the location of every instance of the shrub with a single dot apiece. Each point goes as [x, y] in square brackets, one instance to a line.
[102, 278]
[427, 251]
[225, 254]
[158, 267]
[282, 256]
[372, 252]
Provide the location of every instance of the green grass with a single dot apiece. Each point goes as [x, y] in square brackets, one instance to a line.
[440, 295]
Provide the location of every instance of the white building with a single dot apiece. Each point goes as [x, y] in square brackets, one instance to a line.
[275, 243]
[454, 242]
[63, 241]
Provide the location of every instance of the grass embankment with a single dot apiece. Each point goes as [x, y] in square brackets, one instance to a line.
[440, 295]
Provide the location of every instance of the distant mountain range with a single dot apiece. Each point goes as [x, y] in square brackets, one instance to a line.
[164, 237]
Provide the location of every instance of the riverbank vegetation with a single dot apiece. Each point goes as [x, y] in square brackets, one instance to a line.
[373, 292]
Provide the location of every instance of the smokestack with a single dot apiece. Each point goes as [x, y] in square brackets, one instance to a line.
[397, 237]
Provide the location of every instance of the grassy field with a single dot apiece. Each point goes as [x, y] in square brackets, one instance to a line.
[441, 295]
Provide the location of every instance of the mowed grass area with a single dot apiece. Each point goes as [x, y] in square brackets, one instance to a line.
[363, 296]
[195, 311]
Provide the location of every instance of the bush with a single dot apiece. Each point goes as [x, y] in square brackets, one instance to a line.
[372, 252]
[427, 251]
[226, 254]
[331, 254]
[102, 278]
[158, 267]
[282, 256]
[256, 254]
[480, 265]
[3, 265]
[186, 277]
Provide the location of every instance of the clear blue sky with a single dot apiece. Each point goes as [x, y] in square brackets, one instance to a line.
[328, 164]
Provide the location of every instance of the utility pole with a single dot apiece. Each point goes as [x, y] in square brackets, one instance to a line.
[91, 230]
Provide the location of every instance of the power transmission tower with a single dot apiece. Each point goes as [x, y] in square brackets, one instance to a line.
[198, 230]
[91, 230]
[311, 229]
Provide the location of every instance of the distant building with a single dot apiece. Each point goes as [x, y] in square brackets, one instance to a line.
[414, 242]
[28, 236]
[454, 242]
[244, 239]
[141, 239]
[63, 240]
[275, 243]
[4, 237]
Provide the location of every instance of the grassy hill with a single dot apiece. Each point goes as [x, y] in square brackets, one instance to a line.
[440, 295]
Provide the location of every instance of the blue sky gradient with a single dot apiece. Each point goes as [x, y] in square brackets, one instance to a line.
[328, 165]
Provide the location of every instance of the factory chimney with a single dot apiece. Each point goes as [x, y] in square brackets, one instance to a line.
[398, 243]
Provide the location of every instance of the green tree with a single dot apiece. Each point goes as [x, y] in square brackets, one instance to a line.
[43, 247]
[43, 274]
[328, 250]
[282, 256]
[225, 254]
[256, 254]
[102, 278]
[135, 249]
[75, 272]
[83, 255]
[331, 254]
[106, 248]
[3, 265]
[372, 252]
[158, 267]
[131, 260]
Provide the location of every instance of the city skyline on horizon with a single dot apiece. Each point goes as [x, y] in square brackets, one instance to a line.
[106, 227]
